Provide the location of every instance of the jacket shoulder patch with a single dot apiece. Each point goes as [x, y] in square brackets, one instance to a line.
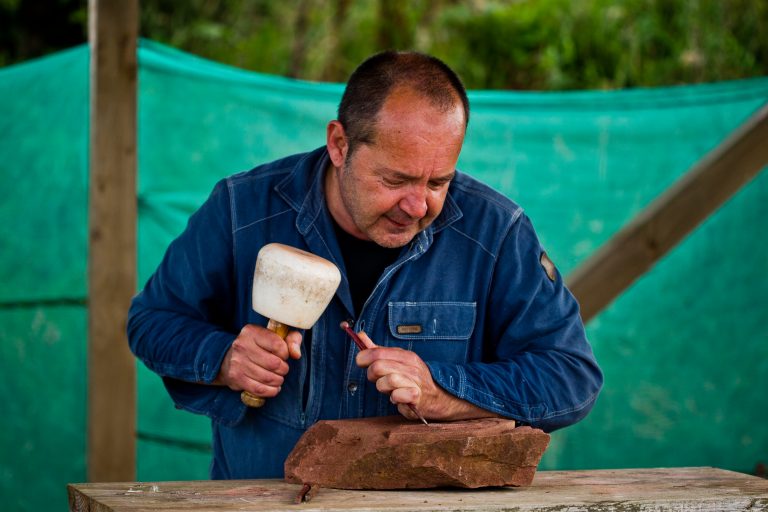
[548, 266]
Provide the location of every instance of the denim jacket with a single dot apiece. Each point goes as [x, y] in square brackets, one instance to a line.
[469, 295]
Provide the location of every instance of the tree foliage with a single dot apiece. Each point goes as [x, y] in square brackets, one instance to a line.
[33, 28]
[512, 44]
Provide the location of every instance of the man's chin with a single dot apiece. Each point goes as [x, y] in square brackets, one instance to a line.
[393, 240]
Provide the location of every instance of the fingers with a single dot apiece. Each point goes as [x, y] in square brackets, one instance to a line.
[401, 389]
[399, 374]
[396, 372]
[263, 348]
[366, 358]
[262, 383]
[266, 339]
[407, 412]
[256, 360]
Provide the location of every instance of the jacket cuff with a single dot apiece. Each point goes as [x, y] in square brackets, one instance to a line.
[219, 403]
[210, 355]
[453, 379]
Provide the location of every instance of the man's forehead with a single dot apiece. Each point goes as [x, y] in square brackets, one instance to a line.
[413, 125]
[406, 97]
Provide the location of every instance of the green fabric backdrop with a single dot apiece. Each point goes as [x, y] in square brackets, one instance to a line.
[684, 350]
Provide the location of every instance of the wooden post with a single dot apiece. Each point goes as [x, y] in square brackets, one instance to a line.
[658, 228]
[113, 29]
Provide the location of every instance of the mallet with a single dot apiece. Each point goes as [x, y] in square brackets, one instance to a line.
[291, 288]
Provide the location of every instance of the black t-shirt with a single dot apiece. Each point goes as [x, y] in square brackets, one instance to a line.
[365, 261]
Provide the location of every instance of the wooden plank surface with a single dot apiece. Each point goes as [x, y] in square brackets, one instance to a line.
[113, 28]
[659, 227]
[615, 490]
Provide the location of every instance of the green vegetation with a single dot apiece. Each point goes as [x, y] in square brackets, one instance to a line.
[512, 44]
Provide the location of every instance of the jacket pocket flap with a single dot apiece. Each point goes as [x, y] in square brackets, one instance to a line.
[432, 320]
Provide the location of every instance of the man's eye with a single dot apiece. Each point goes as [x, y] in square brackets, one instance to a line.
[437, 185]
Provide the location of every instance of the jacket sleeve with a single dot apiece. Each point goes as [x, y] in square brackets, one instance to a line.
[181, 324]
[538, 367]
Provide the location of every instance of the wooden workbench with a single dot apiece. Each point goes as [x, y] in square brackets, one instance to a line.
[614, 490]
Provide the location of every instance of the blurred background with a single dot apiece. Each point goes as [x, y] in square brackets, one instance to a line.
[584, 111]
[513, 44]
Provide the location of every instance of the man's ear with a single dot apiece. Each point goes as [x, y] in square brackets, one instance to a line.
[336, 141]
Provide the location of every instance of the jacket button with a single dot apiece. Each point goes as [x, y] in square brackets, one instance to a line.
[352, 387]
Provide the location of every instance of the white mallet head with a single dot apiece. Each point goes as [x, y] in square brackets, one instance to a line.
[293, 286]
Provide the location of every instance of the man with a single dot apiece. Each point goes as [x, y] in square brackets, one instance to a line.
[445, 275]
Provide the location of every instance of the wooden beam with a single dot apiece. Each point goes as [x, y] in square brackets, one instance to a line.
[658, 228]
[113, 30]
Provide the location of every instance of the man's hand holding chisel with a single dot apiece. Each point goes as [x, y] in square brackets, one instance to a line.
[404, 376]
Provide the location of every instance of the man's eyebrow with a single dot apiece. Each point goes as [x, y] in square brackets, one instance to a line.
[444, 179]
[398, 175]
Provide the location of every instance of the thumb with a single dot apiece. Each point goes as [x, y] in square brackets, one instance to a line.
[293, 340]
[366, 340]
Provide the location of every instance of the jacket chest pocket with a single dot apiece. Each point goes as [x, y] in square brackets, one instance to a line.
[436, 331]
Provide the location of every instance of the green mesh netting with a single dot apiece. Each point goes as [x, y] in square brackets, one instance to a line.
[684, 350]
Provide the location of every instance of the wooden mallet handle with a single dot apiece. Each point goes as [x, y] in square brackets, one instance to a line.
[250, 399]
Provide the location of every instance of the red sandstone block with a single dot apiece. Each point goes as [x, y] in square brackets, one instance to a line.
[394, 453]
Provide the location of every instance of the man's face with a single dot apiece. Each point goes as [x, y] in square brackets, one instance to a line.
[392, 189]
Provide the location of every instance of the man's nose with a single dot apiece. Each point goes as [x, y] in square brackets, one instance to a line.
[415, 202]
